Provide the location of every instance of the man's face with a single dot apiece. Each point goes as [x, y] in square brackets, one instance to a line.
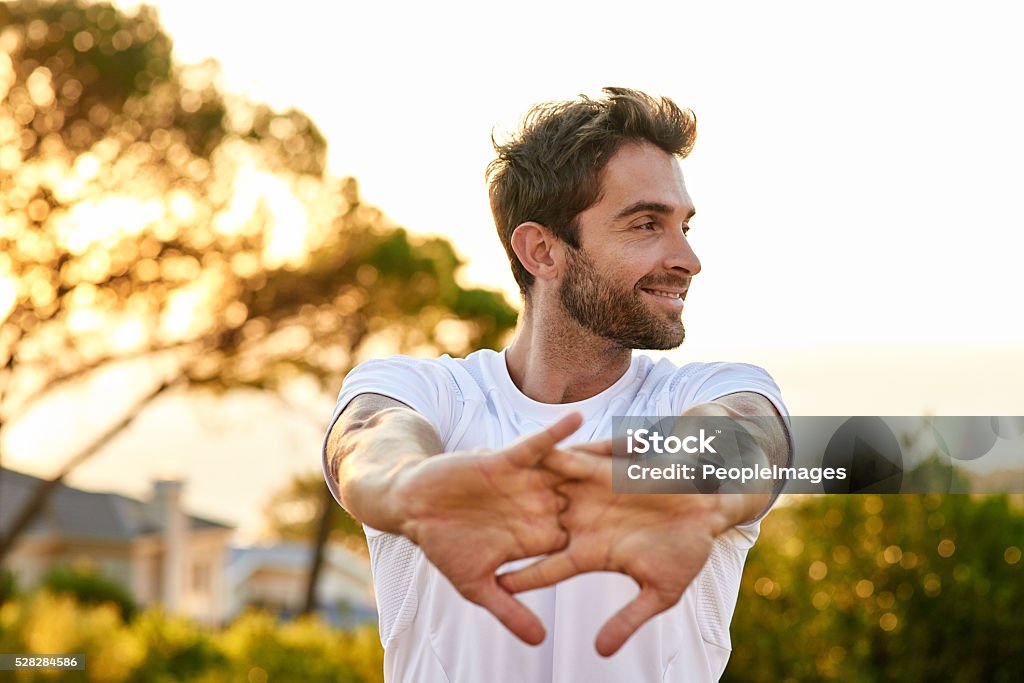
[628, 280]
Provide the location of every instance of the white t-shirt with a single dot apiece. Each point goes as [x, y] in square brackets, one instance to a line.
[431, 634]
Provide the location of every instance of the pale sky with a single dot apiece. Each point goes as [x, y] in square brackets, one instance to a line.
[857, 178]
[857, 171]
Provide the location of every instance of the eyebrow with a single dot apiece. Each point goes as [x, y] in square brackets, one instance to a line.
[653, 207]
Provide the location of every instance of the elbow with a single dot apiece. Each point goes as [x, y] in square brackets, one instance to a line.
[331, 455]
[344, 439]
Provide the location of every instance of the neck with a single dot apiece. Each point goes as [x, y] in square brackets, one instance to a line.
[553, 359]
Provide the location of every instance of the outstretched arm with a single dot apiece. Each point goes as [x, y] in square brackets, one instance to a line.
[660, 540]
[369, 450]
[470, 512]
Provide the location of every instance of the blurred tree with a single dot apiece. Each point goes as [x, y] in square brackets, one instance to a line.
[155, 647]
[89, 588]
[883, 588]
[8, 585]
[174, 649]
[145, 214]
[292, 514]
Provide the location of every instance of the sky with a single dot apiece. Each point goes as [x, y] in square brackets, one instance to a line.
[857, 180]
[857, 170]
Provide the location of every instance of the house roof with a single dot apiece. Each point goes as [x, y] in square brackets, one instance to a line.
[77, 514]
[242, 562]
[292, 555]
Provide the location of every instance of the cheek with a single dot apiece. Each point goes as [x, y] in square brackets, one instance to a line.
[622, 262]
[629, 269]
[623, 265]
[628, 277]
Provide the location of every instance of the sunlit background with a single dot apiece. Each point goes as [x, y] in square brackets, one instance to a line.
[856, 182]
[857, 179]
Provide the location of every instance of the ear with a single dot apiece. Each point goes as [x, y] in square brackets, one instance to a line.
[538, 250]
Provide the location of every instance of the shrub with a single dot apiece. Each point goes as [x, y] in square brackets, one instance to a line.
[877, 588]
[8, 586]
[176, 649]
[46, 623]
[89, 588]
[303, 649]
[159, 648]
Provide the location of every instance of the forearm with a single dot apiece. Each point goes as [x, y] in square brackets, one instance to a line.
[760, 419]
[369, 454]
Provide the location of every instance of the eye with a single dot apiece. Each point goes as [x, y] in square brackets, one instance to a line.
[649, 226]
[686, 230]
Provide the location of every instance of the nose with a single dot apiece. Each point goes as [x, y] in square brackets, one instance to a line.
[681, 258]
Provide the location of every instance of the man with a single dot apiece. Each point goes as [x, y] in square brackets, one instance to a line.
[463, 471]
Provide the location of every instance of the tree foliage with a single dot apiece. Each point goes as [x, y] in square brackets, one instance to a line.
[89, 588]
[144, 209]
[155, 647]
[292, 514]
[883, 588]
[145, 213]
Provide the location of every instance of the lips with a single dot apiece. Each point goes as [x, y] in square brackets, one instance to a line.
[671, 299]
[666, 293]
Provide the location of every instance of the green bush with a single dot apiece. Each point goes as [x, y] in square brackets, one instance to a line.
[47, 623]
[882, 588]
[303, 649]
[8, 586]
[158, 648]
[176, 649]
[89, 588]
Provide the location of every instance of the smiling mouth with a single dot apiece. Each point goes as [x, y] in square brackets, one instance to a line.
[677, 296]
[668, 298]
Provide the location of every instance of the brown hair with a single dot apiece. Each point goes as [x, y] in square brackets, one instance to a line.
[550, 170]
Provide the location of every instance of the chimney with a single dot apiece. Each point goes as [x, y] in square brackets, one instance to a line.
[173, 523]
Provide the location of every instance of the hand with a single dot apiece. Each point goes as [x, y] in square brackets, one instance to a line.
[660, 540]
[472, 512]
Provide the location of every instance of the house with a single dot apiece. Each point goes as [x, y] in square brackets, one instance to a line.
[274, 577]
[154, 548]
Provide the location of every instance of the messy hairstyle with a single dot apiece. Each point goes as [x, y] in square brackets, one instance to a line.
[550, 170]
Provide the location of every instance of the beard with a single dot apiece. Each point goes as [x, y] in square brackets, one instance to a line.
[620, 316]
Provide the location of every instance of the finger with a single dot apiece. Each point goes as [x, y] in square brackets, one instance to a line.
[617, 630]
[529, 451]
[571, 464]
[545, 572]
[605, 447]
[568, 489]
[514, 615]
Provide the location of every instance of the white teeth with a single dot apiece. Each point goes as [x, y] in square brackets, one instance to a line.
[669, 295]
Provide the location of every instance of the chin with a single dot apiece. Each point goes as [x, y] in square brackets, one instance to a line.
[665, 343]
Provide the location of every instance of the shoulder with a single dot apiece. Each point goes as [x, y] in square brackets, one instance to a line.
[437, 388]
[459, 374]
[720, 372]
[398, 376]
[702, 382]
[423, 384]
[665, 375]
[401, 367]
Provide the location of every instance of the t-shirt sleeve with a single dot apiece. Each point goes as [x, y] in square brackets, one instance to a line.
[424, 385]
[710, 381]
